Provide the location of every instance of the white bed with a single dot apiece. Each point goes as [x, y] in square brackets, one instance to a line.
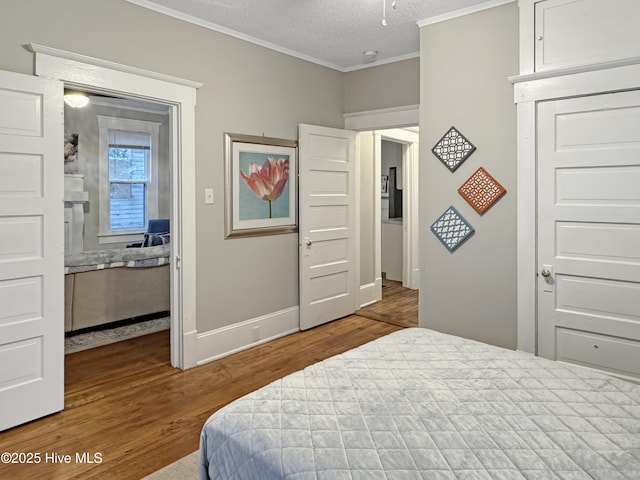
[418, 404]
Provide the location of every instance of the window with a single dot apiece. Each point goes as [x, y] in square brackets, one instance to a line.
[128, 177]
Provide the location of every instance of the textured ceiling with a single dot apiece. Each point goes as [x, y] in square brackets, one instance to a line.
[334, 33]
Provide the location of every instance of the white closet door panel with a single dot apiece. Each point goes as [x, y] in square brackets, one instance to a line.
[589, 224]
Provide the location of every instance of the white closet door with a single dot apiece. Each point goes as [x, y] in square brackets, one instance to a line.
[589, 231]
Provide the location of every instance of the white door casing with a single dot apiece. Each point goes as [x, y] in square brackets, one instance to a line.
[410, 200]
[328, 224]
[394, 120]
[31, 249]
[179, 94]
[589, 231]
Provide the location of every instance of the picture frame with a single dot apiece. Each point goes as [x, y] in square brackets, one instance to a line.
[384, 186]
[261, 189]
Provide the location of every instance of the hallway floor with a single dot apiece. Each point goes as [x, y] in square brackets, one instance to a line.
[399, 306]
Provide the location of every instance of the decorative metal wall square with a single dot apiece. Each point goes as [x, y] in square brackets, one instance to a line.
[453, 149]
[452, 229]
[481, 190]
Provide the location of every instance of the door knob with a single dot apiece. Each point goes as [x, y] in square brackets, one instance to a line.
[309, 243]
[547, 276]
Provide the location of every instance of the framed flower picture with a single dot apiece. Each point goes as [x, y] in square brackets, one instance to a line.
[260, 185]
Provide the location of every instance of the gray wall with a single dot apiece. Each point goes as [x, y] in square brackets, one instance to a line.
[465, 63]
[84, 122]
[247, 89]
[385, 86]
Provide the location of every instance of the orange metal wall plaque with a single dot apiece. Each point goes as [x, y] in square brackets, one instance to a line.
[481, 190]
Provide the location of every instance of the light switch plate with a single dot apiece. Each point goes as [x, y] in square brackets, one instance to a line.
[208, 196]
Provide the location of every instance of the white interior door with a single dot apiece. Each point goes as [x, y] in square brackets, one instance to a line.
[31, 249]
[329, 267]
[589, 231]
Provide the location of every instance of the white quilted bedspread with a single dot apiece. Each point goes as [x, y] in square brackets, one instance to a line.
[418, 404]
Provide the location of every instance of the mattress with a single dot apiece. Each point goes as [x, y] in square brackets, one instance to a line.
[419, 404]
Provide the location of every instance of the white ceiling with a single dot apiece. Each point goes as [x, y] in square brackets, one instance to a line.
[334, 33]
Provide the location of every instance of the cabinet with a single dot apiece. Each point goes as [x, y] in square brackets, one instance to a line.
[576, 33]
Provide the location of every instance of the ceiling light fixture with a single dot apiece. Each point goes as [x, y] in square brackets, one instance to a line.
[370, 56]
[76, 99]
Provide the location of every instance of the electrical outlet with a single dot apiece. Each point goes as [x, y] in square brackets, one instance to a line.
[256, 333]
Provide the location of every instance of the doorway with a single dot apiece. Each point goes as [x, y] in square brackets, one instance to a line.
[179, 95]
[396, 163]
[337, 213]
[392, 221]
[118, 201]
[395, 215]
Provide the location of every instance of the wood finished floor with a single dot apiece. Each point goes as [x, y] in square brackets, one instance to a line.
[126, 402]
[399, 306]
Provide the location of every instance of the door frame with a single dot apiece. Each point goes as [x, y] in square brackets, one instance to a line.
[84, 72]
[528, 91]
[376, 121]
[410, 175]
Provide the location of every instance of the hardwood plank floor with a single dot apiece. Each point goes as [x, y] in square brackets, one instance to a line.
[399, 306]
[125, 402]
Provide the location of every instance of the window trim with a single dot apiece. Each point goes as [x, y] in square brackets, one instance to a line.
[106, 123]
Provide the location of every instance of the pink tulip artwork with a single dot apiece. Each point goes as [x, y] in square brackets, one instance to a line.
[267, 182]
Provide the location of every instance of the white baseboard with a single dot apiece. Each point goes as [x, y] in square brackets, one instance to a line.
[415, 279]
[219, 343]
[190, 349]
[370, 293]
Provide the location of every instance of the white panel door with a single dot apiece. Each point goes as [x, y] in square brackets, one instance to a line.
[31, 249]
[589, 231]
[329, 273]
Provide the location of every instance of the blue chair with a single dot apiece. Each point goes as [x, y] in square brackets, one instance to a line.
[158, 233]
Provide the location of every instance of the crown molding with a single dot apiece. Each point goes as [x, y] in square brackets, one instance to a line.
[256, 41]
[462, 12]
[232, 33]
[399, 58]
